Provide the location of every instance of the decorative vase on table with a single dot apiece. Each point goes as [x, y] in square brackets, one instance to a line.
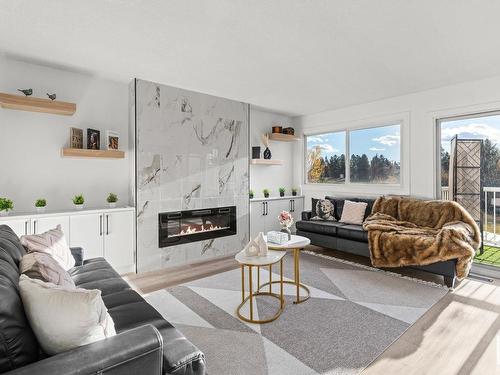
[286, 221]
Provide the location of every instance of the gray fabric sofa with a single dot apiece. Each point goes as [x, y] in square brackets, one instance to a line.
[354, 239]
[145, 342]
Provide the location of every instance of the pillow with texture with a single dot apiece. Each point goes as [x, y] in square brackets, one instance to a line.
[43, 267]
[322, 209]
[353, 212]
[64, 318]
[51, 242]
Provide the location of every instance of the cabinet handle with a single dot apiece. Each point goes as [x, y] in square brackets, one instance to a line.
[290, 205]
[263, 208]
[107, 225]
[100, 225]
[26, 227]
[267, 209]
[34, 226]
[293, 205]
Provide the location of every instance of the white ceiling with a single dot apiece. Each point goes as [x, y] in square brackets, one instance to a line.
[292, 56]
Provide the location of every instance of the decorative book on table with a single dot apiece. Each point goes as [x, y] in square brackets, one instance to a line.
[277, 237]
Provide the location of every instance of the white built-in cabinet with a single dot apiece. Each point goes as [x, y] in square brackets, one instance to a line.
[264, 212]
[107, 233]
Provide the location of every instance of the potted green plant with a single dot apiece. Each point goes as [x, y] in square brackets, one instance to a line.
[294, 191]
[251, 194]
[5, 206]
[282, 191]
[112, 199]
[40, 204]
[266, 193]
[78, 201]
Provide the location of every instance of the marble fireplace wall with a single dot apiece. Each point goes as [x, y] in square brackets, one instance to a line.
[192, 152]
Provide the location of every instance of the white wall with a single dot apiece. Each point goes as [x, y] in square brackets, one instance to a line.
[274, 176]
[31, 165]
[422, 108]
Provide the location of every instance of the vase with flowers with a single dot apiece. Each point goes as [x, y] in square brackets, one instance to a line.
[286, 221]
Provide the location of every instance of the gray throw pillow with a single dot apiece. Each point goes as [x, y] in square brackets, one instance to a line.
[323, 209]
[42, 266]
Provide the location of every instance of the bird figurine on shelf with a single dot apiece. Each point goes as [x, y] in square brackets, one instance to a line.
[52, 96]
[26, 92]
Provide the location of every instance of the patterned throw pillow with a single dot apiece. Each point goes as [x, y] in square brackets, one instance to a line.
[323, 209]
[51, 242]
[43, 267]
[353, 212]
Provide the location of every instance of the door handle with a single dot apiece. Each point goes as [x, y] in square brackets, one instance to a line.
[107, 225]
[100, 225]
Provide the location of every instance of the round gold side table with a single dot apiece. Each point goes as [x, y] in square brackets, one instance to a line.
[257, 262]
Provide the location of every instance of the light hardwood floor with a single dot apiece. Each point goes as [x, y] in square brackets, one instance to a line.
[458, 335]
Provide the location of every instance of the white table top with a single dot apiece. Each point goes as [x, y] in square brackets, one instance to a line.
[297, 242]
[270, 258]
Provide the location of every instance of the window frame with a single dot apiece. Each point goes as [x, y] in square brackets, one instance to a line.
[359, 187]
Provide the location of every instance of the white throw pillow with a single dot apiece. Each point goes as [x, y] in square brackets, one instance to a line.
[51, 242]
[353, 212]
[64, 318]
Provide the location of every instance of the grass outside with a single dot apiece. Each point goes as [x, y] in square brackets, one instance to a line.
[491, 256]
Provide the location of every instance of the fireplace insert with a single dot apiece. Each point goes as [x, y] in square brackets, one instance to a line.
[180, 227]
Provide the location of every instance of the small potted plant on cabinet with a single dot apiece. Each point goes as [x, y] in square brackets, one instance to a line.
[266, 193]
[5, 206]
[78, 201]
[282, 191]
[112, 199]
[40, 204]
[250, 194]
[294, 191]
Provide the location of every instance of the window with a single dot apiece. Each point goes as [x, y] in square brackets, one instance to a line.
[375, 156]
[326, 158]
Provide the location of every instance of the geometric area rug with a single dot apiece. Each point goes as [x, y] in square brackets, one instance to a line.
[354, 314]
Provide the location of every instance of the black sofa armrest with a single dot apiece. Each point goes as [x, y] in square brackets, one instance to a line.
[77, 253]
[306, 215]
[137, 351]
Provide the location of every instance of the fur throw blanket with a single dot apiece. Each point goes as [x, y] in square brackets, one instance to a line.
[404, 231]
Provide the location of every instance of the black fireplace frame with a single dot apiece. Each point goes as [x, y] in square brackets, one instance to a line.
[164, 217]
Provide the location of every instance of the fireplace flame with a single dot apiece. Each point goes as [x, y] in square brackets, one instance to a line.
[202, 228]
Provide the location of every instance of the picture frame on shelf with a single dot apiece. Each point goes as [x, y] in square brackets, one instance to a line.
[93, 139]
[76, 138]
[112, 140]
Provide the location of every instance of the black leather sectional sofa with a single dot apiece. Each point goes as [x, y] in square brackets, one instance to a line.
[145, 342]
[354, 239]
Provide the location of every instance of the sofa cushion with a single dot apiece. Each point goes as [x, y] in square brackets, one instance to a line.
[43, 267]
[353, 212]
[97, 273]
[19, 345]
[353, 232]
[120, 298]
[339, 204]
[323, 209]
[322, 227]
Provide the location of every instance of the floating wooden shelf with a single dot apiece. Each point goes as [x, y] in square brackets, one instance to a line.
[283, 137]
[28, 103]
[83, 153]
[266, 161]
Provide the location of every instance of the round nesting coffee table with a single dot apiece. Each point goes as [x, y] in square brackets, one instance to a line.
[271, 258]
[295, 244]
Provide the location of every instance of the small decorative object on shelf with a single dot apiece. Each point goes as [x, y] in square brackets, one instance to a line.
[5, 206]
[40, 204]
[286, 221]
[289, 131]
[277, 128]
[282, 191]
[250, 194]
[277, 237]
[265, 141]
[78, 201]
[294, 191]
[256, 152]
[93, 139]
[112, 199]
[52, 96]
[26, 92]
[75, 138]
[256, 247]
[266, 193]
[112, 140]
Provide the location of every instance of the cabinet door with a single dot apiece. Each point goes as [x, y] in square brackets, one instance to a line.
[43, 224]
[87, 232]
[257, 218]
[19, 226]
[119, 240]
[274, 209]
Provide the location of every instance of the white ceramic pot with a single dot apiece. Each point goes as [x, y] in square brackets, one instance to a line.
[112, 204]
[40, 209]
[79, 207]
[4, 213]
